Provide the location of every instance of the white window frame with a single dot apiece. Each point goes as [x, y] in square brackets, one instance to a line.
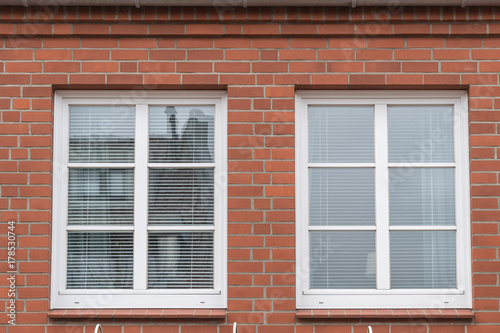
[139, 297]
[383, 297]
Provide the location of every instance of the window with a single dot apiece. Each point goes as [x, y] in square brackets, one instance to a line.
[139, 200]
[382, 193]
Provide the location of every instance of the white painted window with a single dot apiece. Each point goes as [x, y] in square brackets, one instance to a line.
[139, 200]
[382, 192]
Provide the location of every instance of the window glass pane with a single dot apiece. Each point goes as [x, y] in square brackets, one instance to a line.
[342, 259]
[101, 196]
[180, 260]
[340, 134]
[181, 134]
[100, 260]
[420, 134]
[423, 259]
[341, 196]
[181, 196]
[101, 134]
[422, 196]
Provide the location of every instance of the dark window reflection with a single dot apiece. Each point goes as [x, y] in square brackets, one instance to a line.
[182, 260]
[181, 134]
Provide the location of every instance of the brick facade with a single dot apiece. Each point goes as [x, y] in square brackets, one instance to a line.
[260, 57]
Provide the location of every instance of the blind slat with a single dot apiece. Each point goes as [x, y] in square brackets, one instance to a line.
[101, 134]
[100, 260]
[422, 196]
[341, 134]
[342, 259]
[341, 196]
[181, 134]
[181, 196]
[101, 196]
[423, 259]
[420, 134]
[180, 260]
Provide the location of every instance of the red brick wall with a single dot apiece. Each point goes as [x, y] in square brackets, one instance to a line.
[260, 56]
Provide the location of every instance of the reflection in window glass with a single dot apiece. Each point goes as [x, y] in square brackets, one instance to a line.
[181, 134]
[101, 134]
[423, 259]
[341, 196]
[420, 134]
[341, 134]
[100, 260]
[182, 260]
[342, 259]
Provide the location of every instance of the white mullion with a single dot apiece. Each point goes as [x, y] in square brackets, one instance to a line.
[301, 198]
[341, 165]
[141, 197]
[181, 165]
[341, 228]
[423, 227]
[382, 198]
[181, 228]
[99, 228]
[60, 195]
[421, 165]
[101, 165]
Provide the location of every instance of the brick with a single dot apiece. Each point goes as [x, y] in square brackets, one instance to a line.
[37, 91]
[194, 67]
[344, 67]
[91, 54]
[269, 67]
[297, 55]
[459, 67]
[424, 42]
[23, 67]
[87, 79]
[264, 29]
[137, 43]
[16, 55]
[382, 67]
[9, 178]
[129, 54]
[373, 54]
[49, 78]
[412, 54]
[420, 67]
[243, 55]
[307, 67]
[267, 54]
[14, 129]
[451, 54]
[232, 67]
[205, 54]
[61, 67]
[52, 54]
[201, 79]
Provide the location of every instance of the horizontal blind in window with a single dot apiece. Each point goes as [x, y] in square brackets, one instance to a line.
[180, 260]
[341, 134]
[101, 196]
[342, 259]
[422, 196]
[181, 134]
[423, 259]
[100, 260]
[420, 134]
[341, 196]
[181, 196]
[101, 134]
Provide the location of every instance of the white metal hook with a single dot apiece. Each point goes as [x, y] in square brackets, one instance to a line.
[235, 330]
[98, 328]
[370, 329]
